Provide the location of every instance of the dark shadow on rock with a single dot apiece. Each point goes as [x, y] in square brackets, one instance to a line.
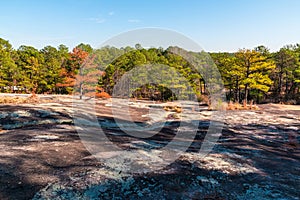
[27, 165]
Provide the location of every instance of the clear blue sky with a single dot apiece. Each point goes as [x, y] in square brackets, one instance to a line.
[216, 25]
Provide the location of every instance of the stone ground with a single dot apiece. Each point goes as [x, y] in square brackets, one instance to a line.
[256, 157]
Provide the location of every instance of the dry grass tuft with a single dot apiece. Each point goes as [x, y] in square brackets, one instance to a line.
[245, 106]
[32, 99]
[13, 100]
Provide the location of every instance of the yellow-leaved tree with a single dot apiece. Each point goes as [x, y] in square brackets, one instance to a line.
[254, 67]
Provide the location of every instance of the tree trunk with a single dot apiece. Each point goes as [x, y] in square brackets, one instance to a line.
[200, 86]
[239, 94]
[286, 86]
[257, 97]
[236, 98]
[246, 93]
[280, 84]
[81, 90]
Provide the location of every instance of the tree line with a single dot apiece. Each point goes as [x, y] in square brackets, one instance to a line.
[248, 74]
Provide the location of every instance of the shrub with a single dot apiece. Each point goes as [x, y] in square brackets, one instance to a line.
[203, 99]
[102, 95]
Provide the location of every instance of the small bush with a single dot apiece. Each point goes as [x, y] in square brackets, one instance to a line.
[230, 106]
[204, 99]
[291, 102]
[102, 95]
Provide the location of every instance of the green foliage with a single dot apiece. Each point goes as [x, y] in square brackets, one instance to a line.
[254, 74]
[8, 68]
[255, 67]
[32, 68]
[85, 47]
[163, 66]
[52, 63]
[245, 70]
[287, 73]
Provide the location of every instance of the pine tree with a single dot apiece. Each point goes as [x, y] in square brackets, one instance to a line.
[8, 68]
[255, 68]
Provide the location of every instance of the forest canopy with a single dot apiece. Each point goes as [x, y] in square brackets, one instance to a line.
[248, 74]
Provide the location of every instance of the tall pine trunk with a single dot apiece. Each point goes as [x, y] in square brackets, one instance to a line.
[246, 93]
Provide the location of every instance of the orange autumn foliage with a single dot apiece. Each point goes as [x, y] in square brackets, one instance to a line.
[68, 72]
